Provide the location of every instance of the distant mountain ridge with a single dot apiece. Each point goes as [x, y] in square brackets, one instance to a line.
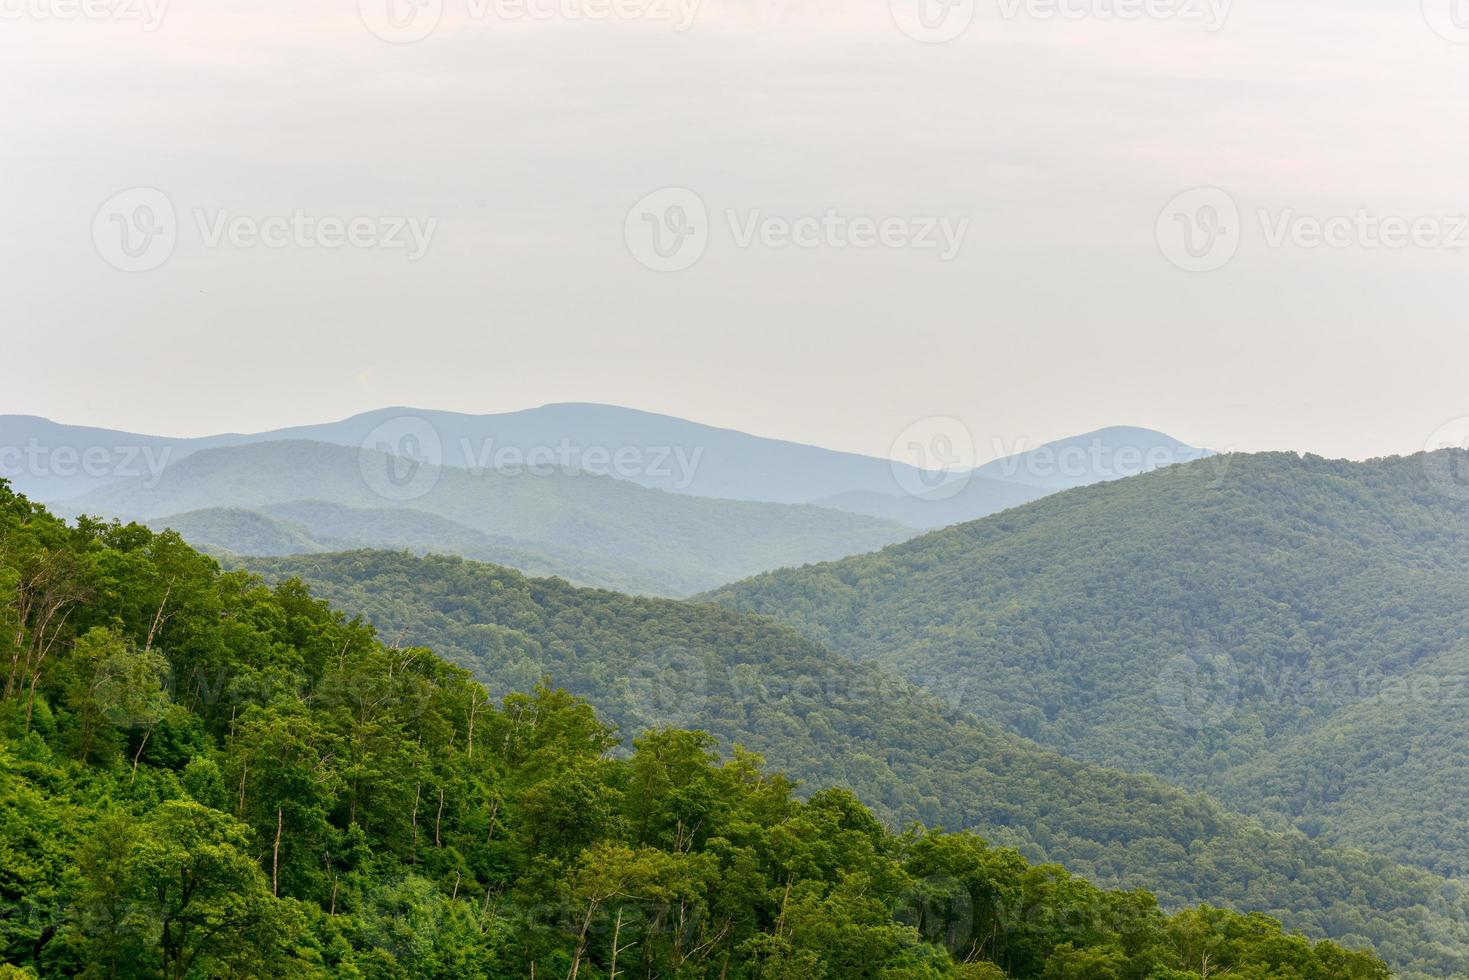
[656, 451]
[603, 496]
[593, 530]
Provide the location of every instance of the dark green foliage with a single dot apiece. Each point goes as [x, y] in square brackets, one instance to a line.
[648, 662]
[288, 797]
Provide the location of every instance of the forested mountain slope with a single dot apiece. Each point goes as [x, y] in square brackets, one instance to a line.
[969, 497]
[830, 721]
[202, 777]
[1246, 624]
[596, 529]
[303, 527]
[1388, 771]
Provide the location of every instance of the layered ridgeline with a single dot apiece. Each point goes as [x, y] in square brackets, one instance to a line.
[910, 755]
[302, 527]
[53, 462]
[592, 529]
[599, 495]
[1289, 632]
[203, 777]
[931, 501]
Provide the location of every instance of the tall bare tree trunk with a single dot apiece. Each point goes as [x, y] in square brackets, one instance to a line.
[275, 857]
[139, 754]
[616, 932]
[417, 793]
[158, 618]
[473, 707]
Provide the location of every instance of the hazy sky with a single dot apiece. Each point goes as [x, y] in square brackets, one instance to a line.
[1048, 148]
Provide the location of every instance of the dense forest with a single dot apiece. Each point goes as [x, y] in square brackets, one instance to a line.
[908, 754]
[1288, 632]
[202, 776]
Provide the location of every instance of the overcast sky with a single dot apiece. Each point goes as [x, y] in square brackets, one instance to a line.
[997, 236]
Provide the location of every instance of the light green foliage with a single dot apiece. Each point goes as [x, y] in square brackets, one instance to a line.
[907, 754]
[312, 803]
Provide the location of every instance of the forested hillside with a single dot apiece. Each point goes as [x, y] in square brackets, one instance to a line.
[909, 754]
[201, 776]
[1286, 630]
[306, 527]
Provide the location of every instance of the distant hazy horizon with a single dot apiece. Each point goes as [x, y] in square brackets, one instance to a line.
[987, 446]
[990, 224]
